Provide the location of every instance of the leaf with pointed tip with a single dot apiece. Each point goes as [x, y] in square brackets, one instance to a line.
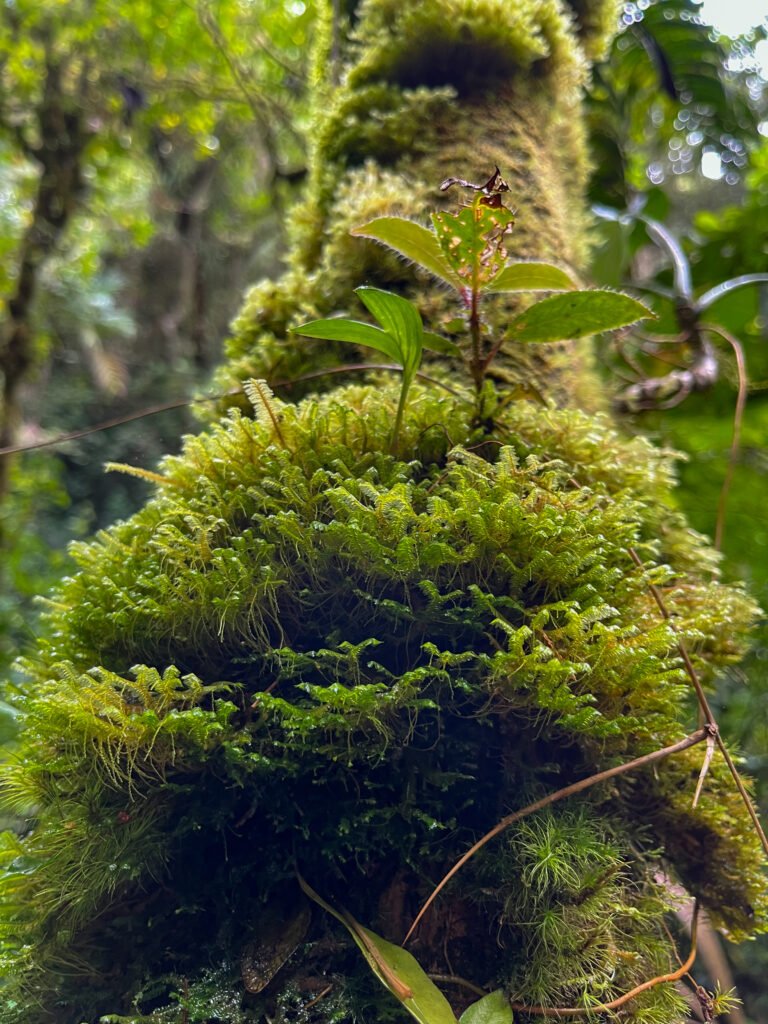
[436, 343]
[339, 329]
[412, 241]
[530, 277]
[400, 319]
[577, 314]
[491, 1009]
[396, 968]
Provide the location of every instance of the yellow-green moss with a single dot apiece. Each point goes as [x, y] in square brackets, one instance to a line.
[372, 659]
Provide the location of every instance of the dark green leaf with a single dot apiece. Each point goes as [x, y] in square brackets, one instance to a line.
[491, 1009]
[412, 241]
[577, 314]
[339, 329]
[530, 277]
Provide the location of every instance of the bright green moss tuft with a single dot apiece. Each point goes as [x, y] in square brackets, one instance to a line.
[374, 659]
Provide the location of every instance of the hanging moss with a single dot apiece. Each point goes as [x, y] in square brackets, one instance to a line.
[357, 662]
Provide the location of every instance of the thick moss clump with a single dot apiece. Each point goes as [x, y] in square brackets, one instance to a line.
[352, 664]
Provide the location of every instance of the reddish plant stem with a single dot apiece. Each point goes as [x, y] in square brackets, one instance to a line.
[477, 368]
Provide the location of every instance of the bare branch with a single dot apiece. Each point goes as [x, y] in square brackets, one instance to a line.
[709, 718]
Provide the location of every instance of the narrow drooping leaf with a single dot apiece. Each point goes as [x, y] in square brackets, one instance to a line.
[412, 241]
[491, 1009]
[339, 329]
[577, 314]
[400, 319]
[396, 968]
[530, 277]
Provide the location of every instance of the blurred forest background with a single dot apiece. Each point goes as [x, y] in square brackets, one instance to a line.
[149, 154]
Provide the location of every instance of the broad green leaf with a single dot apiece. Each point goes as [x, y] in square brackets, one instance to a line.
[400, 319]
[412, 241]
[491, 1009]
[339, 329]
[396, 968]
[530, 277]
[577, 314]
[9, 723]
[436, 343]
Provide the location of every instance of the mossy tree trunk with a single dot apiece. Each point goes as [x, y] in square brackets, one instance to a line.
[352, 663]
[412, 96]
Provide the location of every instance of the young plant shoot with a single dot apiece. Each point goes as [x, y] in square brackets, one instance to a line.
[468, 251]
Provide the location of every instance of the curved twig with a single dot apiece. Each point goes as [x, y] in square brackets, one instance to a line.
[454, 979]
[615, 1004]
[706, 710]
[560, 794]
[709, 297]
[180, 403]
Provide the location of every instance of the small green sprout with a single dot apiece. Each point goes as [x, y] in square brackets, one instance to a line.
[468, 251]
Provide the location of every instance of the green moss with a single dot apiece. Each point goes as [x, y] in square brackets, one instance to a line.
[586, 907]
[373, 659]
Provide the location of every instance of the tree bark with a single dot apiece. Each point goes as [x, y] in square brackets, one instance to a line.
[58, 152]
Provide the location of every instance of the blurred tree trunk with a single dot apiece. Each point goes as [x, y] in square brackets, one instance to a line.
[58, 151]
[404, 101]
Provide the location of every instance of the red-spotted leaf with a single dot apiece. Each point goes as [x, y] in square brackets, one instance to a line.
[471, 241]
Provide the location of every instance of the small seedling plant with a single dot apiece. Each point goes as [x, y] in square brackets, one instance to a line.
[468, 250]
